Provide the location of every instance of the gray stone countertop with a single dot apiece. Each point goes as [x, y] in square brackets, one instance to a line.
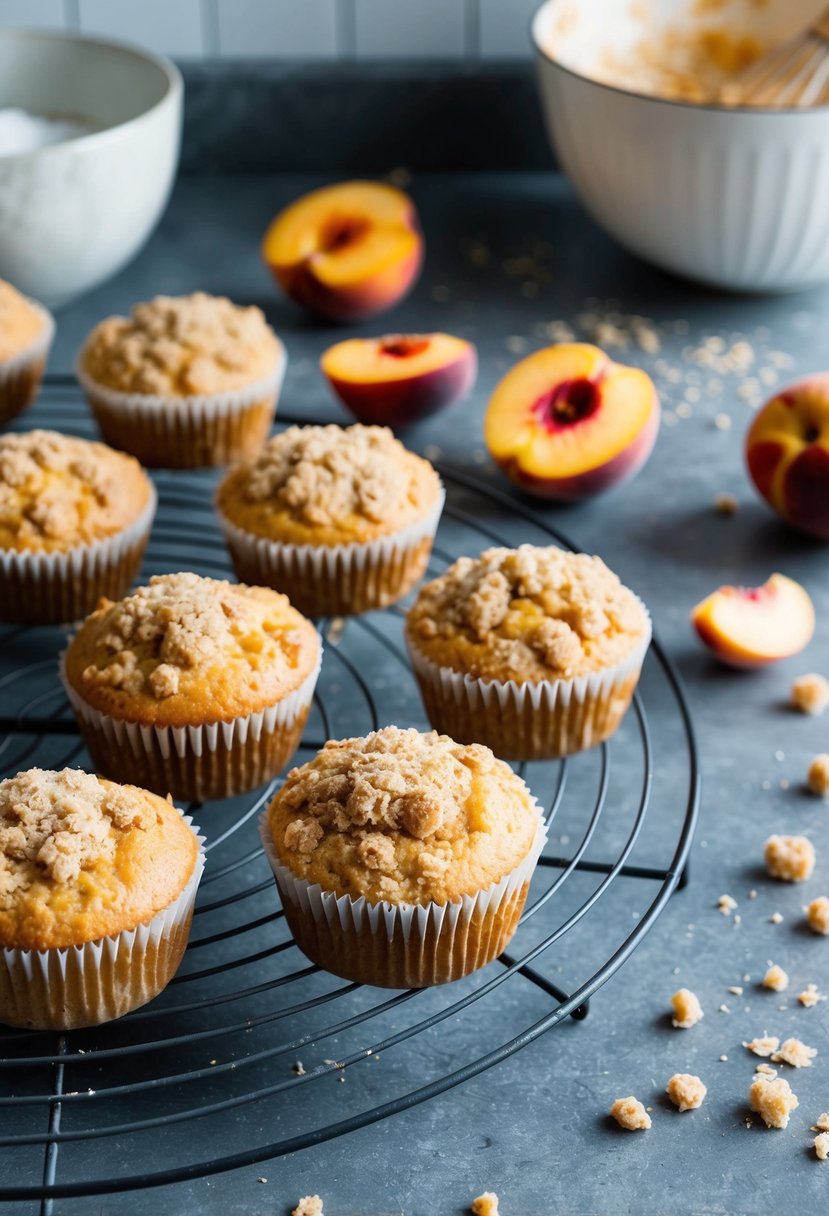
[535, 1129]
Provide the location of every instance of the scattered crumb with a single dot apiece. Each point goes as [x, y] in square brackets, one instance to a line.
[775, 978]
[810, 693]
[789, 858]
[795, 1053]
[817, 915]
[485, 1205]
[764, 1046]
[299, 1068]
[724, 1009]
[738, 920]
[736, 990]
[722, 422]
[817, 777]
[261, 1180]
[810, 996]
[776, 918]
[821, 1143]
[686, 1091]
[309, 1205]
[687, 1009]
[772, 1100]
[726, 904]
[630, 1114]
[765, 1070]
[726, 504]
[822, 1122]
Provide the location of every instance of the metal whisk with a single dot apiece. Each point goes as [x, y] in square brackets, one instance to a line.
[794, 75]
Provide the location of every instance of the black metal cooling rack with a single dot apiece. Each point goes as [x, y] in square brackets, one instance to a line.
[252, 1052]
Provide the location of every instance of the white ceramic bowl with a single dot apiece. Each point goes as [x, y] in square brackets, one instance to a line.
[74, 213]
[738, 198]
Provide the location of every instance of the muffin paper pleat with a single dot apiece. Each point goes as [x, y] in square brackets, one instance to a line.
[57, 588]
[536, 720]
[21, 375]
[402, 945]
[336, 580]
[98, 981]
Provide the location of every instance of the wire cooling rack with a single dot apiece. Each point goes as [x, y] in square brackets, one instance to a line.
[252, 1052]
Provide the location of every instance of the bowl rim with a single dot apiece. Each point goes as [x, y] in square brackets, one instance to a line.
[173, 91]
[710, 107]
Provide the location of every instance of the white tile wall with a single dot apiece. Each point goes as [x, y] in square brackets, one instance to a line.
[296, 29]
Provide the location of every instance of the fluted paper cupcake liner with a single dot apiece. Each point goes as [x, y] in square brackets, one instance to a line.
[336, 580]
[57, 588]
[538, 720]
[202, 762]
[186, 432]
[402, 945]
[62, 989]
[21, 375]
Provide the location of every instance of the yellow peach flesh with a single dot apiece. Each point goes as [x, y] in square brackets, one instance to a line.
[750, 627]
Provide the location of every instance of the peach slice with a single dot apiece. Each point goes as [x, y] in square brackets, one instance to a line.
[755, 626]
[398, 379]
[787, 453]
[567, 422]
[347, 251]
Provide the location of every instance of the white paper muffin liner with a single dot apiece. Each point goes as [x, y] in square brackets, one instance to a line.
[186, 432]
[536, 720]
[336, 580]
[57, 588]
[20, 375]
[403, 945]
[199, 762]
[98, 981]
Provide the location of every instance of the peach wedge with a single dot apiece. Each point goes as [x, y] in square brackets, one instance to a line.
[567, 422]
[755, 626]
[348, 251]
[787, 453]
[396, 380]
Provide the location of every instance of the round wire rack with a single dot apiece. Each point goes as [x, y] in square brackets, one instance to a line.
[252, 1052]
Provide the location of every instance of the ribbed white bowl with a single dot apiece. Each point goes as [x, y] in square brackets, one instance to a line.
[735, 198]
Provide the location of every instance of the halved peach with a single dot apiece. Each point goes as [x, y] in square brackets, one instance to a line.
[400, 378]
[567, 422]
[755, 626]
[347, 251]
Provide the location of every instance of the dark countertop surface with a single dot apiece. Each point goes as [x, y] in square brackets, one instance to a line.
[534, 1129]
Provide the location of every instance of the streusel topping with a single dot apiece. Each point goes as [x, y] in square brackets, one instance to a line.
[182, 639]
[180, 346]
[320, 482]
[20, 322]
[403, 816]
[530, 613]
[57, 491]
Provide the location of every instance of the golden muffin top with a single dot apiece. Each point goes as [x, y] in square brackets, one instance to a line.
[182, 346]
[57, 492]
[20, 322]
[82, 858]
[404, 817]
[527, 614]
[186, 650]
[329, 485]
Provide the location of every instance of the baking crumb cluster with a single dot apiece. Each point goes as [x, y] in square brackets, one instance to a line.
[775, 978]
[687, 1009]
[55, 824]
[817, 915]
[686, 1091]
[485, 1205]
[810, 693]
[182, 346]
[817, 778]
[630, 1114]
[309, 1205]
[772, 1100]
[789, 858]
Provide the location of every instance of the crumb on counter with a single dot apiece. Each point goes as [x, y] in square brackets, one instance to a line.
[773, 1101]
[821, 1143]
[810, 996]
[822, 1122]
[810, 693]
[726, 504]
[485, 1205]
[686, 1091]
[687, 1009]
[789, 858]
[765, 1070]
[630, 1114]
[309, 1205]
[775, 978]
[726, 904]
[776, 918]
[736, 990]
[795, 1053]
[817, 778]
[817, 915]
[763, 1046]
[298, 1068]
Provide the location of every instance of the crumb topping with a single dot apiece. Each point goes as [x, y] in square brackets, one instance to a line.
[630, 1114]
[822, 1122]
[20, 322]
[687, 1009]
[795, 1053]
[789, 858]
[487, 1204]
[810, 693]
[55, 824]
[533, 612]
[810, 996]
[309, 1205]
[776, 979]
[182, 346]
[686, 1091]
[817, 915]
[821, 1146]
[817, 777]
[772, 1100]
[764, 1046]
[57, 491]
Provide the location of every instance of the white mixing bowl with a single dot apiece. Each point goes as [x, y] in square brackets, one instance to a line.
[738, 198]
[74, 213]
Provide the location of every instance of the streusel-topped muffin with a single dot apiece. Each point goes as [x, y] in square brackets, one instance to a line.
[340, 518]
[234, 665]
[197, 372]
[557, 631]
[75, 517]
[402, 820]
[26, 332]
[83, 859]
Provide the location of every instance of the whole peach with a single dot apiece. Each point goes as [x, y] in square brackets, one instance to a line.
[787, 453]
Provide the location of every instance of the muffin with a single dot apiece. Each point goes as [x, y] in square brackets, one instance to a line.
[193, 686]
[403, 859]
[184, 381]
[26, 332]
[533, 651]
[97, 886]
[341, 519]
[75, 517]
